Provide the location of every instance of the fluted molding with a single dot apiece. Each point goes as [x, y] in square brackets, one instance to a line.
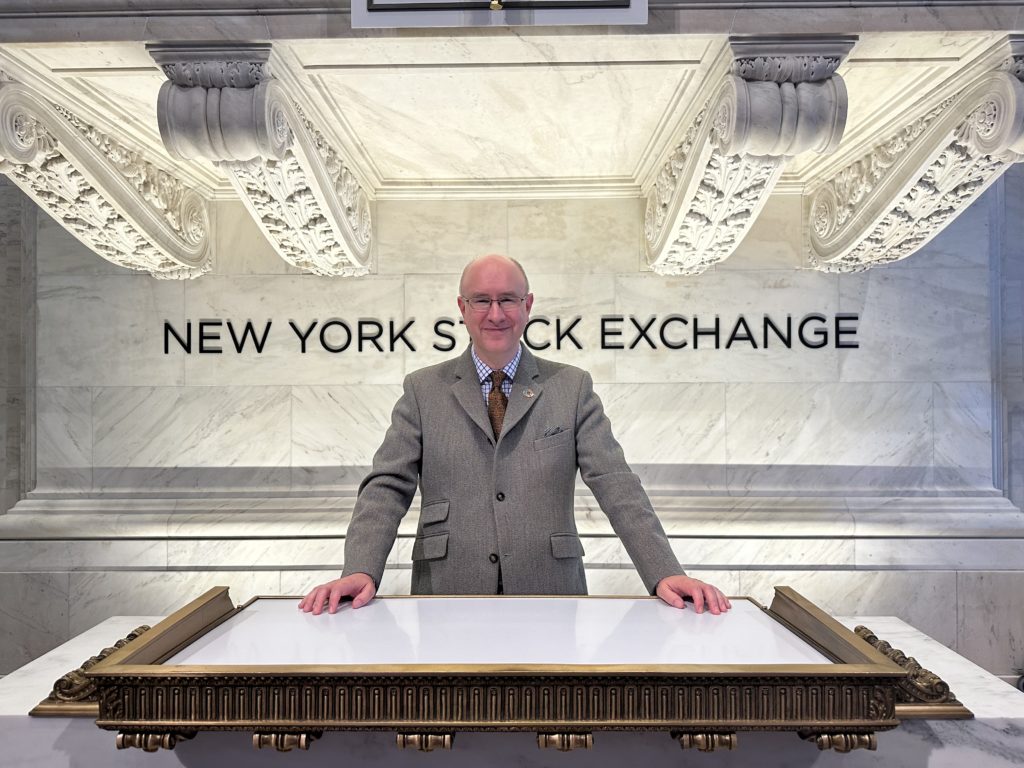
[893, 200]
[111, 197]
[781, 98]
[223, 104]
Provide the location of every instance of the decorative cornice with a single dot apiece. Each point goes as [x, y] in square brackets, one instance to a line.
[295, 184]
[781, 98]
[118, 203]
[897, 197]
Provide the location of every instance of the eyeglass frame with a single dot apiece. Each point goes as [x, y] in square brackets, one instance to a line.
[469, 302]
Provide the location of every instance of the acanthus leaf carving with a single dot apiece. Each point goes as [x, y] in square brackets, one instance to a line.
[716, 180]
[298, 187]
[117, 203]
[893, 200]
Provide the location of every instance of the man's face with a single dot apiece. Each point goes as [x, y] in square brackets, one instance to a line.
[495, 332]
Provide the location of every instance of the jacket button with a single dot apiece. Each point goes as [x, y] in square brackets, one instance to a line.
[493, 557]
[500, 496]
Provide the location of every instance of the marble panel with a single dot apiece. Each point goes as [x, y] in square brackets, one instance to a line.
[925, 599]
[33, 616]
[241, 248]
[668, 423]
[947, 553]
[395, 581]
[107, 331]
[303, 300]
[99, 595]
[762, 553]
[58, 252]
[164, 435]
[725, 295]
[990, 620]
[918, 325]
[12, 437]
[963, 434]
[339, 426]
[774, 240]
[219, 554]
[63, 438]
[438, 236]
[965, 242]
[576, 236]
[66, 555]
[829, 436]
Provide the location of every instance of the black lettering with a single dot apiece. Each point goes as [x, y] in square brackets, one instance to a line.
[786, 339]
[302, 336]
[526, 333]
[841, 331]
[561, 335]
[323, 335]
[747, 336]
[212, 336]
[643, 329]
[443, 334]
[364, 336]
[248, 331]
[665, 341]
[185, 343]
[607, 331]
[821, 333]
[698, 332]
[394, 337]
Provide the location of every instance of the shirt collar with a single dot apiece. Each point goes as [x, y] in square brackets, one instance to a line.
[484, 371]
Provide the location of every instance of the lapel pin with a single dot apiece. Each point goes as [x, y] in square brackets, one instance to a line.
[527, 393]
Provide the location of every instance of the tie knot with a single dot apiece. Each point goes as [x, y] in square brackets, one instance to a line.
[497, 379]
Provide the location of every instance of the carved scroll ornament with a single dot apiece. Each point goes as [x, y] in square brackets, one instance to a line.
[110, 197]
[294, 183]
[718, 177]
[907, 189]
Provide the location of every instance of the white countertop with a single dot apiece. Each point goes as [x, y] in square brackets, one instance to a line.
[500, 631]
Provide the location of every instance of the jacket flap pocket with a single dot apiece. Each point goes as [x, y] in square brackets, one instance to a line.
[430, 547]
[566, 545]
[434, 512]
[559, 438]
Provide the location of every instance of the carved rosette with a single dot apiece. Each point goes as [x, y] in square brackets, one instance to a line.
[296, 185]
[110, 197]
[718, 177]
[907, 189]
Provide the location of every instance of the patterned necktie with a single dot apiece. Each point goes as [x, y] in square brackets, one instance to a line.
[496, 402]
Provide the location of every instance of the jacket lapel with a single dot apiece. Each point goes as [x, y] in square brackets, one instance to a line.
[467, 391]
[520, 402]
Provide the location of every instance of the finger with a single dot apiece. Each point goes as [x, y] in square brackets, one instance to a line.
[337, 592]
[365, 595]
[713, 601]
[319, 596]
[698, 598]
[670, 596]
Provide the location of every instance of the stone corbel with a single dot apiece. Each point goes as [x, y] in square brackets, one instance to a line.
[908, 188]
[780, 98]
[114, 200]
[221, 103]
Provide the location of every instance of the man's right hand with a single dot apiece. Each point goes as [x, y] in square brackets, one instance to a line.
[358, 586]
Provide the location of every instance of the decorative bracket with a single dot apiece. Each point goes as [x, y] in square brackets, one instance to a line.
[781, 97]
[890, 202]
[222, 103]
[110, 197]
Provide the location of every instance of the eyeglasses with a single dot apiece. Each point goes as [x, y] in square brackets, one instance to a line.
[483, 304]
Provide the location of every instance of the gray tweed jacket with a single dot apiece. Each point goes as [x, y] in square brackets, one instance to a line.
[506, 503]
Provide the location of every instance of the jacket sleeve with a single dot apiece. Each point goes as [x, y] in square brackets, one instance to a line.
[387, 491]
[618, 490]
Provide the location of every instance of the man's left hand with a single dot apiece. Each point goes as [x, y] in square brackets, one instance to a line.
[672, 589]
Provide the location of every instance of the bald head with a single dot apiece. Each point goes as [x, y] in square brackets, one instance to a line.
[489, 261]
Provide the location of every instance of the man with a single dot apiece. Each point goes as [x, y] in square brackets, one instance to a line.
[494, 438]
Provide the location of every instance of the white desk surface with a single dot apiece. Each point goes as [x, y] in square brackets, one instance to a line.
[499, 631]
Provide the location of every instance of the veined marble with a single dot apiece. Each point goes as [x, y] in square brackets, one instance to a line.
[773, 241]
[240, 247]
[106, 331]
[432, 236]
[579, 236]
[942, 334]
[64, 438]
[339, 425]
[963, 434]
[75, 555]
[990, 619]
[33, 616]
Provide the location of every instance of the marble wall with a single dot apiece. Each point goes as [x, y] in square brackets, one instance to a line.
[908, 412]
